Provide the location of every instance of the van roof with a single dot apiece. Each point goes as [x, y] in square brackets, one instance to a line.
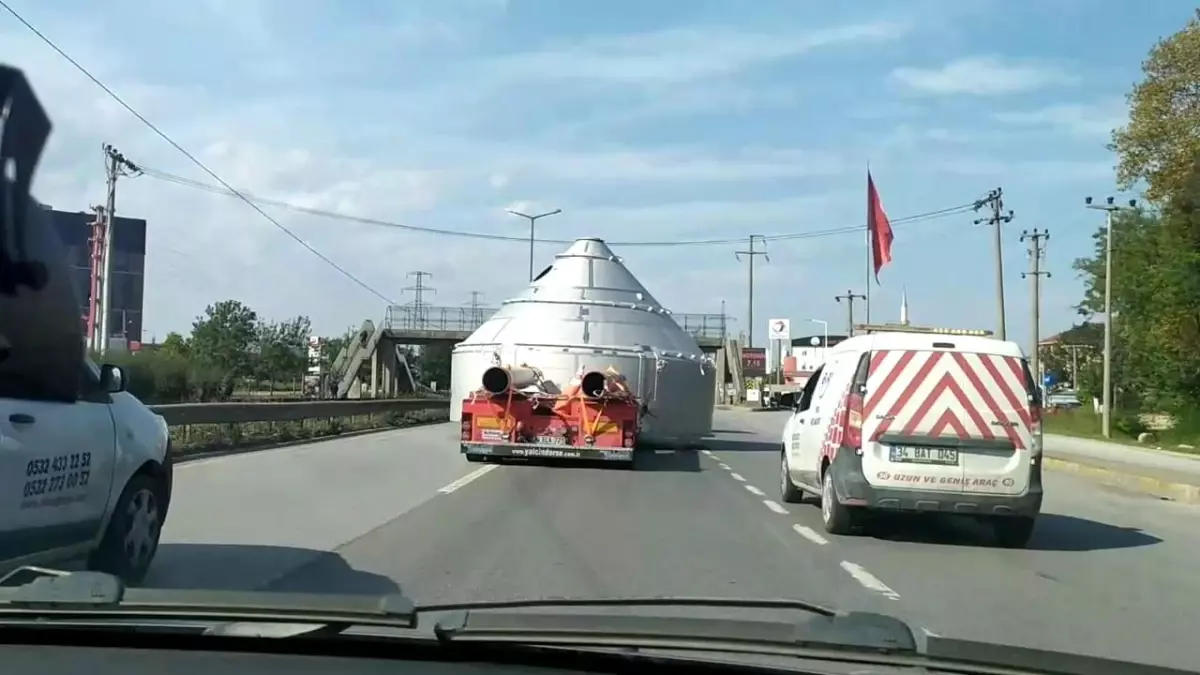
[973, 344]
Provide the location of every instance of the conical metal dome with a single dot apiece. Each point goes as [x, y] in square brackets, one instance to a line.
[587, 297]
[587, 309]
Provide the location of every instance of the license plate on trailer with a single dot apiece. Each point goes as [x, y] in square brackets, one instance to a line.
[552, 440]
[907, 454]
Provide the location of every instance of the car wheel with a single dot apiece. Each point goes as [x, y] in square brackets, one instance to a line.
[131, 540]
[787, 489]
[837, 518]
[1013, 532]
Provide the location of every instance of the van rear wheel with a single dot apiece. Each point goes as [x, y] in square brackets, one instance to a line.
[1013, 532]
[837, 518]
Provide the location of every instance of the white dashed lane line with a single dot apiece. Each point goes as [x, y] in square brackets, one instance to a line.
[775, 506]
[857, 572]
[868, 580]
[810, 534]
[461, 482]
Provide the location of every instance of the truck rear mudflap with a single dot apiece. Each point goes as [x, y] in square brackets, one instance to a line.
[545, 451]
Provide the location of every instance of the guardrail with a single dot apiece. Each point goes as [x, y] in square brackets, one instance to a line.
[179, 414]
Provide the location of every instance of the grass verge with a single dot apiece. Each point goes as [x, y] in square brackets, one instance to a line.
[197, 439]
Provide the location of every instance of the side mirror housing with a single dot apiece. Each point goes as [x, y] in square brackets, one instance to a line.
[112, 378]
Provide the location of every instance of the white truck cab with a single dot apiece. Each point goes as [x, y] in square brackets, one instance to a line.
[919, 420]
[86, 479]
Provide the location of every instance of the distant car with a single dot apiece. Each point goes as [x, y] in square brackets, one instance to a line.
[90, 479]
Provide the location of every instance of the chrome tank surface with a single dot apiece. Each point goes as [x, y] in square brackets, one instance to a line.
[588, 312]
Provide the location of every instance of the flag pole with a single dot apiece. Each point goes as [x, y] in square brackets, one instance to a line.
[870, 243]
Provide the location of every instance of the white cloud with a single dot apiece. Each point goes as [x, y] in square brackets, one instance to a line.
[1085, 120]
[982, 76]
[681, 54]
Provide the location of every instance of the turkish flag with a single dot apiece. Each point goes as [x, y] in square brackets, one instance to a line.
[879, 228]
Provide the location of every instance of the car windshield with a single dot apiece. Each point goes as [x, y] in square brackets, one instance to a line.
[701, 371]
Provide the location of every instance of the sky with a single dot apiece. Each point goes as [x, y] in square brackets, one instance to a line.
[642, 121]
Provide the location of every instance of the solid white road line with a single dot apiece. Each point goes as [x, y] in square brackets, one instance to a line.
[810, 534]
[775, 506]
[478, 473]
[869, 581]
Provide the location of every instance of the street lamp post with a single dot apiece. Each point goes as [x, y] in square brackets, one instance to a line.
[532, 220]
[825, 342]
[1106, 397]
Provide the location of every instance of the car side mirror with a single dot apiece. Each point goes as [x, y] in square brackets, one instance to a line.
[112, 378]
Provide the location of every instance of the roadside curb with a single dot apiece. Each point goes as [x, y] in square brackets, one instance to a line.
[185, 457]
[1179, 492]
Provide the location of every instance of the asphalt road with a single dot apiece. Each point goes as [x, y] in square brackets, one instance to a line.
[1108, 573]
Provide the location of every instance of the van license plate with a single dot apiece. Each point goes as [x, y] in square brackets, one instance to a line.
[907, 454]
[552, 440]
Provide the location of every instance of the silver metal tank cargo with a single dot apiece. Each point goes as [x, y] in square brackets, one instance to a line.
[587, 311]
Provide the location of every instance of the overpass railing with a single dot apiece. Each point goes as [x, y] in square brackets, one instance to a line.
[466, 319]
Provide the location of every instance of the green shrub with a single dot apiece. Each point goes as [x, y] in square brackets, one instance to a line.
[162, 377]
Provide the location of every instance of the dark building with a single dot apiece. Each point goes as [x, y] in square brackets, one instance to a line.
[128, 267]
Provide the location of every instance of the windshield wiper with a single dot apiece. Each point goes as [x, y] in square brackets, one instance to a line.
[825, 628]
[76, 598]
[95, 595]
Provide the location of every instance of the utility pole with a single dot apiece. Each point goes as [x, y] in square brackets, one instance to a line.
[1074, 349]
[1037, 251]
[96, 268]
[1106, 397]
[849, 297]
[115, 166]
[476, 309]
[995, 200]
[750, 254]
[418, 304]
[533, 221]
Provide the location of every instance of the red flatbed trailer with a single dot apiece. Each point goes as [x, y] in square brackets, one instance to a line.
[596, 418]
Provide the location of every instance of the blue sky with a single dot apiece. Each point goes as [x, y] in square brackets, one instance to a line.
[641, 120]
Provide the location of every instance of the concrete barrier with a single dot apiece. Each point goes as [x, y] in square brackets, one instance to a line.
[178, 414]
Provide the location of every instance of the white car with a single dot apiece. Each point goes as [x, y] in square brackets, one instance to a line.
[90, 479]
[919, 421]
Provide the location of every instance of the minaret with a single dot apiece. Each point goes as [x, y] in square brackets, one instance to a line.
[903, 306]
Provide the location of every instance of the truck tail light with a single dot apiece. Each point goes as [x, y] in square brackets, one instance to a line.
[466, 426]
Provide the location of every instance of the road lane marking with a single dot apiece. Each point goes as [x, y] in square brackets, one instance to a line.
[810, 534]
[755, 491]
[776, 507]
[708, 453]
[868, 580]
[478, 473]
[738, 476]
[725, 466]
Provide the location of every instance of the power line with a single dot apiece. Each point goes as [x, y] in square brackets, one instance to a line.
[161, 134]
[188, 182]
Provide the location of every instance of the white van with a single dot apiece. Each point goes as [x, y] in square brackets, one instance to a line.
[919, 420]
[87, 479]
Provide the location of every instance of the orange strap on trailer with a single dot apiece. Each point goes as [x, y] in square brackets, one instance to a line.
[507, 422]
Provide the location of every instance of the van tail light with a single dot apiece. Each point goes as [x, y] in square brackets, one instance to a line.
[852, 423]
[466, 427]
